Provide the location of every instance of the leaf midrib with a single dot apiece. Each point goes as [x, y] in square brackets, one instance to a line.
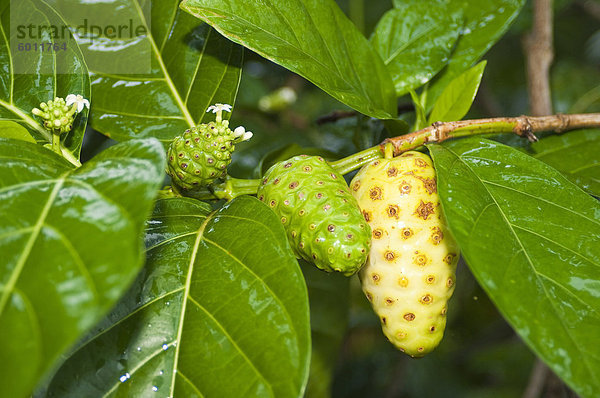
[10, 285]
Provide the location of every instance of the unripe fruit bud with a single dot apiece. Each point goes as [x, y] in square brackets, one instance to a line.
[322, 219]
[411, 270]
[199, 156]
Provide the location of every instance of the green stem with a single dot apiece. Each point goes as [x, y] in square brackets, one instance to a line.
[56, 143]
[524, 126]
[357, 160]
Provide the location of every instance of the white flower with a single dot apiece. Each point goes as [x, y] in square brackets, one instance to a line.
[79, 100]
[219, 108]
[241, 132]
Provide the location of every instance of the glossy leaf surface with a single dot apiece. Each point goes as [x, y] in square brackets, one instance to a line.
[530, 237]
[191, 67]
[415, 41]
[23, 90]
[220, 310]
[485, 22]
[312, 38]
[575, 154]
[71, 243]
[13, 130]
[329, 295]
[457, 97]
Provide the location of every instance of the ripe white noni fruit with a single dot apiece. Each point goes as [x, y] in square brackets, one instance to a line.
[411, 270]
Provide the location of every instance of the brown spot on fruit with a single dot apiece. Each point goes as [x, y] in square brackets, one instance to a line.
[449, 258]
[369, 296]
[301, 212]
[293, 184]
[366, 215]
[377, 233]
[272, 203]
[320, 183]
[403, 281]
[436, 235]
[450, 282]
[307, 169]
[287, 165]
[429, 184]
[356, 186]
[294, 234]
[420, 163]
[424, 210]
[406, 233]
[405, 188]
[286, 202]
[312, 227]
[393, 211]
[265, 180]
[407, 155]
[383, 320]
[261, 198]
[319, 195]
[333, 176]
[376, 278]
[420, 260]
[389, 301]
[276, 181]
[375, 193]
[283, 220]
[430, 279]
[443, 311]
[400, 335]
[301, 245]
[349, 236]
[432, 329]
[389, 255]
[426, 299]
[326, 207]
[331, 227]
[392, 172]
[409, 316]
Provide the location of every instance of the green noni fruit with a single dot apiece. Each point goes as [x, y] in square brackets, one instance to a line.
[201, 154]
[322, 219]
[57, 116]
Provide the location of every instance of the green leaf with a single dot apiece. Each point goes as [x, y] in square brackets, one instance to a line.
[457, 97]
[71, 244]
[575, 154]
[415, 41]
[311, 38]
[531, 239]
[221, 310]
[485, 23]
[13, 130]
[329, 299]
[191, 67]
[21, 90]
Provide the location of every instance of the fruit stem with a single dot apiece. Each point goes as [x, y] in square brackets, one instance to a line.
[357, 160]
[234, 187]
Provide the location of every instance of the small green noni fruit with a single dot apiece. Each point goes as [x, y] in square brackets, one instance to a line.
[57, 115]
[410, 274]
[201, 154]
[322, 219]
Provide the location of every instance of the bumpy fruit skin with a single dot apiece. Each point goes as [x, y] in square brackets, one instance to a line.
[58, 117]
[200, 155]
[411, 270]
[322, 219]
